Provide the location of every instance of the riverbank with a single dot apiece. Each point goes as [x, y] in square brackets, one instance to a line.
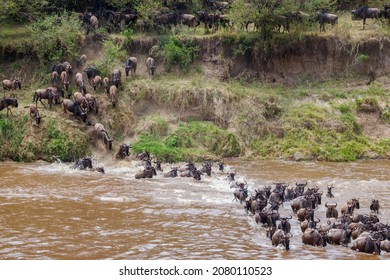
[318, 98]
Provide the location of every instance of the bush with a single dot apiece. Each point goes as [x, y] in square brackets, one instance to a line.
[178, 52]
[56, 37]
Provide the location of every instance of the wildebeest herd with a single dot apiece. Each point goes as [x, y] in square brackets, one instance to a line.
[214, 15]
[362, 232]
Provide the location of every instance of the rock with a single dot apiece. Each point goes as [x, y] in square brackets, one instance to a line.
[297, 156]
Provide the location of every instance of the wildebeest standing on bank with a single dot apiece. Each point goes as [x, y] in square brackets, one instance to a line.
[151, 65]
[324, 18]
[102, 133]
[11, 85]
[365, 13]
[7, 103]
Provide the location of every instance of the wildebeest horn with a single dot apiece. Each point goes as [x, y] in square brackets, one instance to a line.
[290, 217]
[289, 235]
[318, 220]
[326, 204]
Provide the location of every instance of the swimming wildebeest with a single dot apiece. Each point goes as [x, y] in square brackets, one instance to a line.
[374, 207]
[123, 152]
[86, 164]
[7, 103]
[148, 172]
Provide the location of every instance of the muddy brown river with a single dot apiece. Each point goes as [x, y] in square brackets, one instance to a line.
[49, 211]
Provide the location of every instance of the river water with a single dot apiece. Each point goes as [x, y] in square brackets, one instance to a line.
[49, 211]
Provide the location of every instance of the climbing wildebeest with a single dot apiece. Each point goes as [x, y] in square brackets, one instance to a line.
[374, 206]
[148, 172]
[314, 237]
[55, 78]
[367, 244]
[116, 77]
[91, 72]
[280, 237]
[131, 66]
[123, 152]
[92, 103]
[7, 103]
[189, 20]
[96, 81]
[106, 84]
[81, 61]
[75, 108]
[151, 65]
[102, 133]
[50, 93]
[365, 13]
[34, 113]
[65, 80]
[324, 18]
[79, 81]
[112, 95]
[80, 99]
[331, 211]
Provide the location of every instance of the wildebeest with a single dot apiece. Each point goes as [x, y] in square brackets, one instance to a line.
[314, 237]
[113, 95]
[240, 194]
[329, 192]
[91, 72]
[172, 173]
[231, 176]
[365, 13]
[305, 214]
[280, 237]
[81, 61]
[50, 93]
[65, 79]
[106, 84]
[12, 85]
[189, 20]
[374, 207]
[80, 99]
[302, 202]
[55, 78]
[34, 113]
[79, 81]
[339, 236]
[92, 103]
[323, 18]
[75, 108]
[285, 224]
[123, 152]
[367, 244]
[350, 206]
[131, 66]
[116, 77]
[7, 103]
[331, 211]
[206, 168]
[385, 245]
[151, 65]
[148, 172]
[96, 81]
[86, 164]
[102, 133]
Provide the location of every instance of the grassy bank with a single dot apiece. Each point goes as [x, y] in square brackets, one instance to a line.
[192, 111]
